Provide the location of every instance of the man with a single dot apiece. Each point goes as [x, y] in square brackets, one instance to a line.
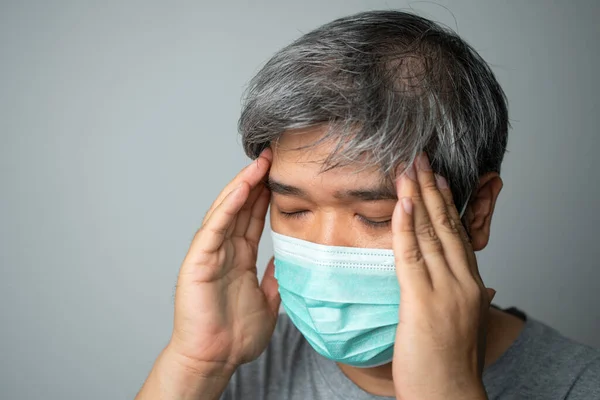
[378, 141]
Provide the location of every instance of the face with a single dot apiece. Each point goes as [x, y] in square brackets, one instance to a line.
[344, 206]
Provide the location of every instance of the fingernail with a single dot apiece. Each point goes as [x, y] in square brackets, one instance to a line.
[423, 162]
[411, 173]
[441, 182]
[267, 154]
[407, 205]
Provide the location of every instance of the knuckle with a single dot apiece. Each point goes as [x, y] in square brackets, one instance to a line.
[198, 234]
[446, 223]
[198, 255]
[252, 242]
[406, 229]
[427, 232]
[412, 255]
[417, 198]
[429, 185]
[214, 230]
[473, 293]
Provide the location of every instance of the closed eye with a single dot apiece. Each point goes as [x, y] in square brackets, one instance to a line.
[368, 222]
[293, 214]
[375, 224]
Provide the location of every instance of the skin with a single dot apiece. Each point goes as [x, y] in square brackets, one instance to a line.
[224, 317]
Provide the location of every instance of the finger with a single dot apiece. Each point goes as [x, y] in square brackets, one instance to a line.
[443, 223]
[270, 288]
[444, 189]
[411, 270]
[213, 232]
[252, 174]
[231, 226]
[243, 218]
[257, 217]
[429, 242]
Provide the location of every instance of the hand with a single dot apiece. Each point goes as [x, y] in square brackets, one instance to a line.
[440, 339]
[223, 317]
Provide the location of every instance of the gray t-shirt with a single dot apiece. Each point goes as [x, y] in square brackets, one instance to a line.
[540, 364]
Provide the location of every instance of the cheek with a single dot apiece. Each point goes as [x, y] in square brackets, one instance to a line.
[382, 239]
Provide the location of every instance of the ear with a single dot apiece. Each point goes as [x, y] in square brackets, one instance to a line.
[481, 208]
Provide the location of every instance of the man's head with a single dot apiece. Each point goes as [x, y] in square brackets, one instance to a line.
[346, 104]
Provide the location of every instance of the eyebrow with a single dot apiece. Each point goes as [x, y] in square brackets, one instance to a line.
[283, 189]
[383, 192]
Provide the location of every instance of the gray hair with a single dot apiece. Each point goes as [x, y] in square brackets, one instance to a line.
[388, 85]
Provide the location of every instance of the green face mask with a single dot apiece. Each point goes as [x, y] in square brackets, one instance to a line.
[344, 300]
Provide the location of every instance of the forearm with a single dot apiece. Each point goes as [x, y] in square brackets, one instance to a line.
[172, 378]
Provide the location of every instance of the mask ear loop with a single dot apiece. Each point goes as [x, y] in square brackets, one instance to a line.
[460, 215]
[464, 208]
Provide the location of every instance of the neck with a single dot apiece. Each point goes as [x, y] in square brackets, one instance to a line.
[376, 381]
[503, 330]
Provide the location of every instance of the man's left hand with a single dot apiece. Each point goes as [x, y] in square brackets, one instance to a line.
[440, 341]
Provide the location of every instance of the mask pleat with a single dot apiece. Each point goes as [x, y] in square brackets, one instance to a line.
[337, 284]
[329, 317]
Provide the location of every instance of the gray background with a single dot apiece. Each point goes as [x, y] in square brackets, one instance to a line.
[118, 128]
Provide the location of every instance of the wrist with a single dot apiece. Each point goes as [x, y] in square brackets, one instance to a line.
[194, 368]
[175, 376]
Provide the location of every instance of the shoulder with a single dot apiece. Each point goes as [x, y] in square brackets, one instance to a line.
[587, 384]
[549, 364]
[558, 353]
[575, 365]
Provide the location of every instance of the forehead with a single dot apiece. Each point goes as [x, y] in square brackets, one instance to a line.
[296, 157]
[299, 145]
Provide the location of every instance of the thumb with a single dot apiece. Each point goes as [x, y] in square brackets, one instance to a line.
[270, 287]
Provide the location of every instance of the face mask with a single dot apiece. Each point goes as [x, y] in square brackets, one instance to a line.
[344, 300]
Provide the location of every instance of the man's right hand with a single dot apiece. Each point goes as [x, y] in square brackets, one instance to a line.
[223, 316]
